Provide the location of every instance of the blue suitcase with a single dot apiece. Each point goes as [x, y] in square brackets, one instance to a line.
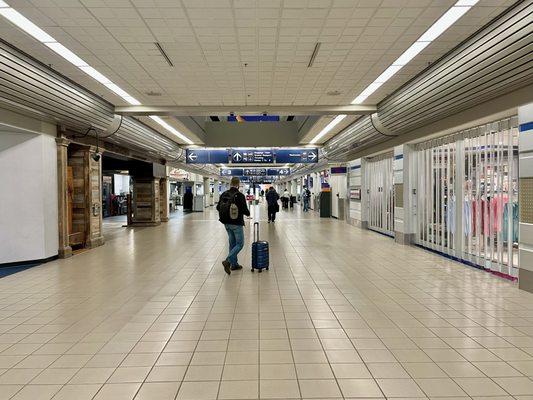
[260, 257]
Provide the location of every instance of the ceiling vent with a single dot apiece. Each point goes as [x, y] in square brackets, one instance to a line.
[153, 94]
[333, 93]
[164, 54]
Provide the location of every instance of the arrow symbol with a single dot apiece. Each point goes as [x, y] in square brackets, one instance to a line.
[193, 156]
[312, 155]
[237, 157]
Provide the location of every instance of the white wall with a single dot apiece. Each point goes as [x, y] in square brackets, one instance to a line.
[28, 199]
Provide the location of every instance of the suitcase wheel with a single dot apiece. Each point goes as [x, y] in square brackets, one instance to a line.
[261, 270]
[252, 269]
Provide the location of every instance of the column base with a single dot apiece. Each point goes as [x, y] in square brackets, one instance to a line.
[164, 219]
[404, 238]
[134, 224]
[96, 242]
[525, 280]
[65, 252]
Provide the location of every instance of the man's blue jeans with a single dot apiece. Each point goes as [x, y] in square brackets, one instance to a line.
[236, 242]
[306, 204]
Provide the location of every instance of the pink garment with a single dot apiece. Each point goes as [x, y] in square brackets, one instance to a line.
[497, 205]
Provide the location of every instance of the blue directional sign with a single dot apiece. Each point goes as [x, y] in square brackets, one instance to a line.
[197, 156]
[203, 156]
[278, 171]
[296, 156]
[255, 171]
[218, 156]
[252, 156]
[231, 172]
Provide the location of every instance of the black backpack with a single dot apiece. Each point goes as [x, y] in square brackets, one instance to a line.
[228, 209]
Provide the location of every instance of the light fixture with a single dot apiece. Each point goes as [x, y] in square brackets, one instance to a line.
[451, 16]
[25, 24]
[171, 129]
[95, 75]
[410, 53]
[67, 54]
[448, 19]
[33, 30]
[328, 127]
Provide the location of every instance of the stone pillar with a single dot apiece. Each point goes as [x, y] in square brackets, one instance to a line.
[164, 199]
[404, 181]
[216, 193]
[525, 245]
[64, 250]
[145, 202]
[94, 193]
[207, 193]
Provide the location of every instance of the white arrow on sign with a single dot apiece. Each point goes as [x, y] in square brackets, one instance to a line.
[312, 155]
[192, 156]
[237, 156]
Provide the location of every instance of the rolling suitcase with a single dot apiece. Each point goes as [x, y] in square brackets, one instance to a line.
[260, 257]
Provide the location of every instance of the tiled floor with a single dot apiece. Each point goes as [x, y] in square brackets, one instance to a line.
[341, 313]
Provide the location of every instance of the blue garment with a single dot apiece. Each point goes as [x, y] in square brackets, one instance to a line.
[306, 203]
[236, 242]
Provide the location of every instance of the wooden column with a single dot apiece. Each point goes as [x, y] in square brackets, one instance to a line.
[64, 250]
[145, 202]
[95, 235]
[163, 195]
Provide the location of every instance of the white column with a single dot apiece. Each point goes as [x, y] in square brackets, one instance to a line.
[365, 200]
[525, 150]
[207, 192]
[404, 183]
[216, 193]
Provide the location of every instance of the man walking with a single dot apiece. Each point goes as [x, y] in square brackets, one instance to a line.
[272, 198]
[307, 198]
[231, 211]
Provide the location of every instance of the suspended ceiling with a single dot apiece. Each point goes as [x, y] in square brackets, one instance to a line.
[242, 52]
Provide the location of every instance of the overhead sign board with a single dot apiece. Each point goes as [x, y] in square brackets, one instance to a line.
[204, 156]
[289, 156]
[252, 156]
[278, 171]
[255, 171]
[231, 172]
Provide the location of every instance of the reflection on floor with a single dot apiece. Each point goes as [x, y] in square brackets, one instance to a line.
[341, 313]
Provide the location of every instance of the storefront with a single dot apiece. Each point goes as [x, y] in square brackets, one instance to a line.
[467, 196]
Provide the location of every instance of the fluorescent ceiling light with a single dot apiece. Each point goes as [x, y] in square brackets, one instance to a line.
[388, 73]
[67, 54]
[466, 3]
[95, 75]
[3, 4]
[26, 25]
[438, 28]
[328, 127]
[122, 93]
[171, 129]
[443, 23]
[410, 53]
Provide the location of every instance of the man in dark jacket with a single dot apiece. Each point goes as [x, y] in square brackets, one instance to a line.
[234, 226]
[272, 198]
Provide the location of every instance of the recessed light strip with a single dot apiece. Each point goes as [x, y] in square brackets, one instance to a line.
[33, 30]
[328, 127]
[438, 28]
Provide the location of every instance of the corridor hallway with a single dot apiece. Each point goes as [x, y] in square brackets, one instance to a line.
[342, 312]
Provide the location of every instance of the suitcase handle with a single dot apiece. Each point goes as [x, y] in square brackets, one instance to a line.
[256, 231]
